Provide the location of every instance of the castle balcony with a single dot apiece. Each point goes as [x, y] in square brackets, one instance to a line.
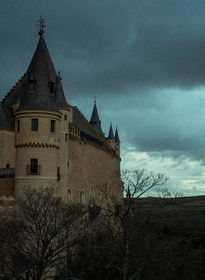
[33, 169]
[7, 172]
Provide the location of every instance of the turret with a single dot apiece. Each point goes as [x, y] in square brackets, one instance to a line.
[66, 119]
[117, 142]
[95, 120]
[114, 140]
[111, 138]
[37, 122]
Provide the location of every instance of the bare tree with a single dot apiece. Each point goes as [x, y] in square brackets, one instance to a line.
[135, 184]
[40, 230]
[104, 250]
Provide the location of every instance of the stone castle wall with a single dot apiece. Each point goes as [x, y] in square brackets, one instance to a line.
[73, 165]
[89, 170]
[7, 148]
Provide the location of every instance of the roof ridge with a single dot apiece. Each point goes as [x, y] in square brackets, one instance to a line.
[90, 126]
[12, 91]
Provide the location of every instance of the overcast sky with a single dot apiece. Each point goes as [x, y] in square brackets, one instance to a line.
[144, 60]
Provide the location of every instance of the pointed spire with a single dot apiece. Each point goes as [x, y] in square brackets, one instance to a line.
[41, 26]
[42, 71]
[95, 120]
[117, 140]
[59, 93]
[111, 135]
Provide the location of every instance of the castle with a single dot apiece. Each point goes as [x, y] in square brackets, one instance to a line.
[44, 141]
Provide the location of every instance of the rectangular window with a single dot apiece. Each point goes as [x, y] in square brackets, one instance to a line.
[58, 173]
[34, 124]
[52, 129]
[65, 117]
[34, 165]
[18, 125]
[66, 137]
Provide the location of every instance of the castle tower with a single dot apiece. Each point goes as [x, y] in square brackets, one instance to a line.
[63, 159]
[95, 120]
[111, 138]
[37, 122]
[117, 142]
[44, 141]
[114, 141]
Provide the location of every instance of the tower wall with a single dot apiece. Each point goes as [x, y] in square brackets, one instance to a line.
[41, 145]
[7, 163]
[63, 156]
[7, 148]
[112, 143]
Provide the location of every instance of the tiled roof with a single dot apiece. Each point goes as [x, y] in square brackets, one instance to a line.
[39, 79]
[59, 95]
[6, 118]
[82, 123]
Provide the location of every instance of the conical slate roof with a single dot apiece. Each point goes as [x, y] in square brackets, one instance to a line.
[59, 94]
[6, 118]
[95, 120]
[111, 135]
[117, 136]
[39, 82]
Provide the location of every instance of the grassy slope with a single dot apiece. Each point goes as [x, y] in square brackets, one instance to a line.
[178, 229]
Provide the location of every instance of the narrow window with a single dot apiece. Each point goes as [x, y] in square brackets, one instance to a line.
[69, 197]
[58, 174]
[31, 85]
[18, 125]
[34, 124]
[66, 137]
[51, 86]
[65, 117]
[7, 165]
[52, 128]
[34, 166]
[82, 198]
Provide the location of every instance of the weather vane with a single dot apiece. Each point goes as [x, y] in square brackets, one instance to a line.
[95, 99]
[41, 25]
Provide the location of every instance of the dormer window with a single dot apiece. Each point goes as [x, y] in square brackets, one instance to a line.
[51, 85]
[31, 83]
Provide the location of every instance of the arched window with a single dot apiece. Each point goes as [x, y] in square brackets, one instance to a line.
[91, 193]
[82, 198]
[69, 196]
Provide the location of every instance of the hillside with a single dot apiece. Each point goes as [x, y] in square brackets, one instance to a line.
[175, 228]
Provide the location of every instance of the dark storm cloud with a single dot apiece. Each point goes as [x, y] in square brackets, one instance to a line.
[166, 123]
[112, 46]
[135, 49]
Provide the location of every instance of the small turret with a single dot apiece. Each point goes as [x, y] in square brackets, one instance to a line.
[95, 120]
[117, 140]
[111, 138]
[59, 94]
[114, 141]
[111, 135]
